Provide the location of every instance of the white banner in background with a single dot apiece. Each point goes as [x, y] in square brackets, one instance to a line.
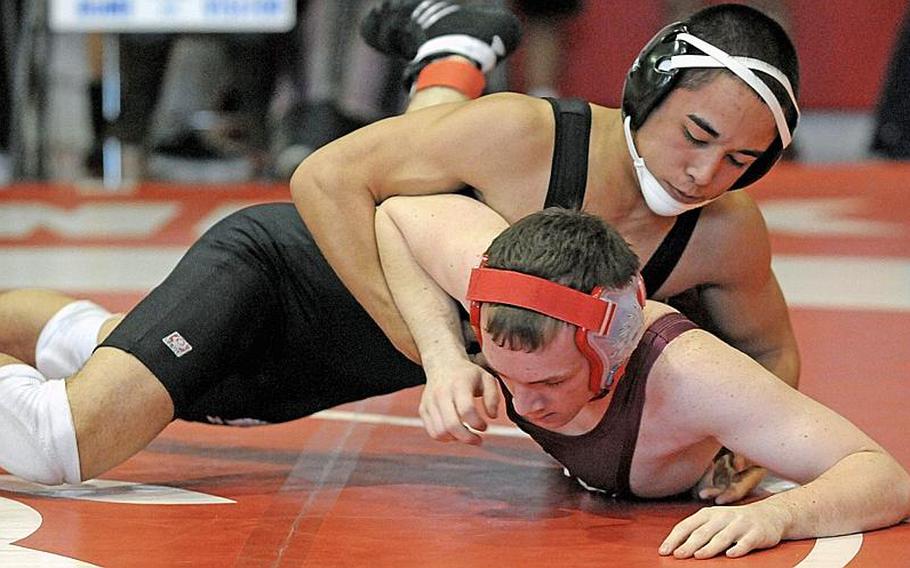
[172, 15]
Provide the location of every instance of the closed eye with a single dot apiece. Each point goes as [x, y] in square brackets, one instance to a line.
[698, 142]
[692, 139]
[733, 161]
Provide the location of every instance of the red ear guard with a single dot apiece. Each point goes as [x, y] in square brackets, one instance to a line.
[595, 363]
[593, 314]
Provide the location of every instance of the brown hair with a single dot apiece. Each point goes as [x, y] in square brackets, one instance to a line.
[572, 248]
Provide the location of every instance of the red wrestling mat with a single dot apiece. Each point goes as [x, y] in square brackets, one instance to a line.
[336, 491]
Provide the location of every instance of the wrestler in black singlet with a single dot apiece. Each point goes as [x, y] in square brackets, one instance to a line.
[275, 335]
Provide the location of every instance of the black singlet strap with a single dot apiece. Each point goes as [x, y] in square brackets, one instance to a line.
[569, 177]
[664, 259]
[569, 171]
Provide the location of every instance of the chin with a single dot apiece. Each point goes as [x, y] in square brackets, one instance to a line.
[553, 420]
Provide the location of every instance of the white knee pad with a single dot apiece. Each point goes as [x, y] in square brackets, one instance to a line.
[68, 339]
[37, 436]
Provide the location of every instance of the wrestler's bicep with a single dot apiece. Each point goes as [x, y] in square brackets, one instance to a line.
[722, 393]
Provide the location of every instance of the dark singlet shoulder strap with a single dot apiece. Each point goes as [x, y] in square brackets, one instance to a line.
[569, 171]
[664, 259]
[569, 177]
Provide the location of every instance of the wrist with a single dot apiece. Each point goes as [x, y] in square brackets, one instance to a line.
[442, 359]
[784, 513]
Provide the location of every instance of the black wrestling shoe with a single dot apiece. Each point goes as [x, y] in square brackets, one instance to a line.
[423, 30]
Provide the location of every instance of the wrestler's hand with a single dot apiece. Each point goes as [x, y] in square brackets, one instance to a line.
[734, 530]
[448, 405]
[730, 478]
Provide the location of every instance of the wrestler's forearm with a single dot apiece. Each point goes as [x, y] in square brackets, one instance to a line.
[864, 491]
[342, 225]
[430, 313]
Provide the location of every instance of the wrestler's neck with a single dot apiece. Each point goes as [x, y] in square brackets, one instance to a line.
[613, 193]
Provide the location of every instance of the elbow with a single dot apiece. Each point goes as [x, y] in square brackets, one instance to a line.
[318, 177]
[894, 489]
[304, 184]
[323, 185]
[315, 193]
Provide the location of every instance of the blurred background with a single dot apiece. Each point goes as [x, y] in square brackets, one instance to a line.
[228, 91]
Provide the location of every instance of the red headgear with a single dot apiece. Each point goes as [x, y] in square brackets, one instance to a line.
[610, 322]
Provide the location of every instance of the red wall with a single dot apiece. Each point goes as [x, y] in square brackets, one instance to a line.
[844, 48]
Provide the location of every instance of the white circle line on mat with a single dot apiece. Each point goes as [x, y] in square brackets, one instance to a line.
[832, 552]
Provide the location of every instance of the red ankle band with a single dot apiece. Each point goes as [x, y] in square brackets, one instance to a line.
[462, 76]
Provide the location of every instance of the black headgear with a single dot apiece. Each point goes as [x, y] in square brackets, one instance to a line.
[652, 77]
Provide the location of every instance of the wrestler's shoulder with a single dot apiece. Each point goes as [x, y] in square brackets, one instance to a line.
[732, 223]
[522, 119]
[654, 310]
[514, 106]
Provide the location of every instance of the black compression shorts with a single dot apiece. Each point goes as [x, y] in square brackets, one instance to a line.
[253, 324]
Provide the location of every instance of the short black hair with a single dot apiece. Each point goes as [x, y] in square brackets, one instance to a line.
[743, 31]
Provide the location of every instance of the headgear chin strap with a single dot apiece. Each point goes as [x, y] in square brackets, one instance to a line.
[654, 72]
[610, 322]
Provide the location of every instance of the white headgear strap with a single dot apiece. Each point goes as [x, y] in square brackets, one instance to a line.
[742, 67]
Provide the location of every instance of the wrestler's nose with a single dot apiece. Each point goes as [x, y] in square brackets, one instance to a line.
[527, 401]
[704, 167]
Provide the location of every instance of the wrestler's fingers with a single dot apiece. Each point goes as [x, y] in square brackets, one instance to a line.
[458, 423]
[437, 433]
[718, 543]
[723, 470]
[713, 481]
[466, 411]
[490, 395]
[442, 436]
[440, 418]
[740, 463]
[433, 422]
[745, 544]
[709, 493]
[742, 484]
[682, 532]
[697, 539]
